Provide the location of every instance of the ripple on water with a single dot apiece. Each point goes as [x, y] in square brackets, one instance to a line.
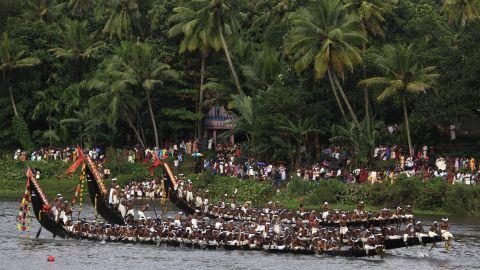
[17, 251]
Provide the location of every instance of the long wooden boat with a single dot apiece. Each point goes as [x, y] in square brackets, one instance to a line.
[401, 242]
[179, 202]
[182, 204]
[343, 252]
[41, 208]
[99, 195]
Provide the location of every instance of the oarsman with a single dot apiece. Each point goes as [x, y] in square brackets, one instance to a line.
[398, 212]
[419, 227]
[115, 194]
[343, 225]
[198, 200]
[122, 206]
[141, 212]
[432, 232]
[57, 207]
[361, 209]
[206, 201]
[408, 212]
[444, 230]
[65, 213]
[110, 194]
[371, 243]
[409, 231]
[326, 211]
[130, 211]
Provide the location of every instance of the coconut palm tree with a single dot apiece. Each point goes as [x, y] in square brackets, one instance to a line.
[371, 14]
[245, 120]
[87, 120]
[116, 99]
[272, 11]
[298, 131]
[79, 7]
[123, 19]
[325, 36]
[194, 39]
[47, 103]
[10, 62]
[209, 21]
[138, 67]
[361, 141]
[263, 69]
[43, 10]
[461, 11]
[78, 44]
[403, 74]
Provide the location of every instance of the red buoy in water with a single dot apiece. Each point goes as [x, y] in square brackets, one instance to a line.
[50, 258]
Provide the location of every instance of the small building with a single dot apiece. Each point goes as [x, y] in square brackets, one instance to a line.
[217, 121]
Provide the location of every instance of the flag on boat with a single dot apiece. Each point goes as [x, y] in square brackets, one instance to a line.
[156, 163]
[77, 163]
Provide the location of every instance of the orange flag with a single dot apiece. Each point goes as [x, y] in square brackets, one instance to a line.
[77, 163]
[29, 173]
[156, 163]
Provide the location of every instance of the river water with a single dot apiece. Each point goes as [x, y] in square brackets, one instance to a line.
[20, 250]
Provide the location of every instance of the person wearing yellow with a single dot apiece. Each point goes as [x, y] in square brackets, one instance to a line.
[472, 164]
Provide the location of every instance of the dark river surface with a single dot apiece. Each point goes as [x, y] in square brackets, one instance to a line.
[22, 251]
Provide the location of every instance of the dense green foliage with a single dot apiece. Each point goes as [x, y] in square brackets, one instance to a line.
[92, 72]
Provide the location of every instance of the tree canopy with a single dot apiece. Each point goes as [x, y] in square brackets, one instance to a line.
[296, 74]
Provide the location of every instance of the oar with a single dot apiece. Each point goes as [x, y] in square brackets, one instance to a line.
[41, 226]
[39, 231]
[153, 205]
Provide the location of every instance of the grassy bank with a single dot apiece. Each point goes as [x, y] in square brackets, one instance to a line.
[53, 178]
[435, 197]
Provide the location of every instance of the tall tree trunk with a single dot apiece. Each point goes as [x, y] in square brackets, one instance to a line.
[140, 127]
[365, 92]
[135, 130]
[200, 97]
[345, 99]
[407, 125]
[50, 134]
[229, 60]
[12, 99]
[334, 90]
[152, 116]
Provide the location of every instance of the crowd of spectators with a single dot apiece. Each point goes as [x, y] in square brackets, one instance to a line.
[334, 162]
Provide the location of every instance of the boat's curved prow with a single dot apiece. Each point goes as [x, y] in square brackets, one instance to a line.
[98, 194]
[171, 187]
[40, 205]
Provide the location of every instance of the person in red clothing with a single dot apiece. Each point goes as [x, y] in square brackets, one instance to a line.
[363, 175]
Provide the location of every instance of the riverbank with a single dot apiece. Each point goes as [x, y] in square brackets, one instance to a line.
[433, 198]
[53, 178]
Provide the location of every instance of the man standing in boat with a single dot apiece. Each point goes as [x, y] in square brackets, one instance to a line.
[444, 230]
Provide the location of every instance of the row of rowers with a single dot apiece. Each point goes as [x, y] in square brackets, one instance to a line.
[229, 208]
[207, 232]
